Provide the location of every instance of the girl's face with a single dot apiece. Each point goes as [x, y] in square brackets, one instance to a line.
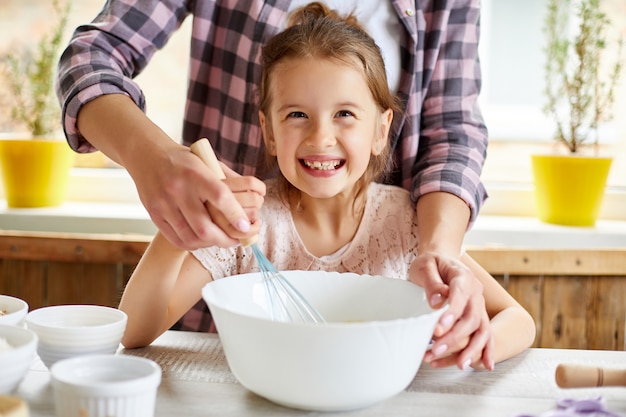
[324, 125]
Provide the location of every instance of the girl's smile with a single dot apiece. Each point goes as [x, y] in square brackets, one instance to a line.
[322, 165]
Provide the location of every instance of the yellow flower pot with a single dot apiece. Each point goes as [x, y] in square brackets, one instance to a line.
[35, 172]
[569, 189]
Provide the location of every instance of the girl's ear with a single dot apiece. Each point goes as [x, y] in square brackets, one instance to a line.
[268, 138]
[380, 141]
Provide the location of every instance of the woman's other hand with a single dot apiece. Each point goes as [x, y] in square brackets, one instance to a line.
[463, 334]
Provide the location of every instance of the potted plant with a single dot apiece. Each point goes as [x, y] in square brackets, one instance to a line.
[579, 91]
[36, 165]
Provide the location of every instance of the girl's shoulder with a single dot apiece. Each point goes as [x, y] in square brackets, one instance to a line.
[392, 197]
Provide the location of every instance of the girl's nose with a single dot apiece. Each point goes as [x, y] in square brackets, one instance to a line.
[321, 135]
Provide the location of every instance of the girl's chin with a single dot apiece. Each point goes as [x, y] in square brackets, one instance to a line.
[321, 192]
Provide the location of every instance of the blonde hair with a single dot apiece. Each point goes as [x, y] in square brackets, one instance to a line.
[315, 31]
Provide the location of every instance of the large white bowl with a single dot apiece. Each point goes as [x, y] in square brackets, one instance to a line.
[72, 330]
[105, 385]
[13, 310]
[370, 349]
[15, 362]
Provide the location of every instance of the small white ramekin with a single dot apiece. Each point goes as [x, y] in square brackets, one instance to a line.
[66, 331]
[105, 385]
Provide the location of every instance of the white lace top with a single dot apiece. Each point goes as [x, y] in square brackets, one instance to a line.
[385, 243]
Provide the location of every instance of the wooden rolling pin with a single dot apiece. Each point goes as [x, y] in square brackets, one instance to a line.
[580, 376]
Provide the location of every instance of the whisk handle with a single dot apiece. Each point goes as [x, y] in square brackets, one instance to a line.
[578, 376]
[203, 149]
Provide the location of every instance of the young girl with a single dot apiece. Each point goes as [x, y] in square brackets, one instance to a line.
[326, 112]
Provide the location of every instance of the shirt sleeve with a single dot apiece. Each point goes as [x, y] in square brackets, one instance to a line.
[453, 137]
[104, 56]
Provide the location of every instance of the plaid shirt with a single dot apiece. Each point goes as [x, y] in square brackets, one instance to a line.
[439, 142]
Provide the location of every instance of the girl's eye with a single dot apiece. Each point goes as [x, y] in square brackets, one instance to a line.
[296, 114]
[344, 113]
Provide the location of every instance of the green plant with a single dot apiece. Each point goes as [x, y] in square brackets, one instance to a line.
[579, 89]
[29, 74]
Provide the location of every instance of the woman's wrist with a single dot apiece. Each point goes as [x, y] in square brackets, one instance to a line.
[442, 221]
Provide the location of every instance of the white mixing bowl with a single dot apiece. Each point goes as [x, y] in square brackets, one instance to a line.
[105, 385]
[72, 330]
[17, 358]
[12, 310]
[370, 349]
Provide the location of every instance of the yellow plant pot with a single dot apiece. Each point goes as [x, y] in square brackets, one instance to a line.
[569, 189]
[35, 172]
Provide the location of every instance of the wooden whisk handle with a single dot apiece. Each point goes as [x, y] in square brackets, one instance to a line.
[203, 149]
[579, 376]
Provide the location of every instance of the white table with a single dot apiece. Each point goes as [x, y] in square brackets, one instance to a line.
[197, 382]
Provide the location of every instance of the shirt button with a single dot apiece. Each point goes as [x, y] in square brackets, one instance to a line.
[409, 12]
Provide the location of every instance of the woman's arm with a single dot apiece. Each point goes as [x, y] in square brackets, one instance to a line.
[446, 173]
[173, 184]
[453, 137]
[104, 56]
[103, 108]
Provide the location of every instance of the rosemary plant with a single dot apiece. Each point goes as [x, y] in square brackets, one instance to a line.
[579, 89]
[29, 75]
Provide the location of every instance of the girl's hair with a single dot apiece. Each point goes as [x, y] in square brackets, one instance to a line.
[315, 31]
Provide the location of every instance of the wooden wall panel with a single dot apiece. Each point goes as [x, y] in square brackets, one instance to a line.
[607, 314]
[565, 304]
[87, 283]
[25, 280]
[571, 262]
[576, 297]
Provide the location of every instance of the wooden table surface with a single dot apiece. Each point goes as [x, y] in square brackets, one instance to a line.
[197, 382]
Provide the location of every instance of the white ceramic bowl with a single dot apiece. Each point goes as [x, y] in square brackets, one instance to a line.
[105, 385]
[72, 330]
[370, 349]
[13, 310]
[15, 361]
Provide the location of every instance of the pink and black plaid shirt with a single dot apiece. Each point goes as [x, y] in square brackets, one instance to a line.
[439, 143]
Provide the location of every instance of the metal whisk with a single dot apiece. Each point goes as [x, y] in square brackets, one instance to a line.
[284, 300]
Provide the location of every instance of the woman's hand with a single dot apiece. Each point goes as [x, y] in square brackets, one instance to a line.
[192, 207]
[463, 335]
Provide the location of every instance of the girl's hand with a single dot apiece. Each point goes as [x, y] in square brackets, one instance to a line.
[249, 196]
[463, 334]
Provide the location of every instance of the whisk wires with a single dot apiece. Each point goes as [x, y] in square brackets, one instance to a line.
[286, 303]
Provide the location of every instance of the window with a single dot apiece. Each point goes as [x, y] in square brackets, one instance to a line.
[512, 65]
[512, 62]
[163, 82]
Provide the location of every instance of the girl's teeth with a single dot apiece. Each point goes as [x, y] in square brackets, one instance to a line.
[324, 166]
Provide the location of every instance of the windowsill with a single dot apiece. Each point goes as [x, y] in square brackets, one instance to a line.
[79, 217]
[488, 231]
[530, 232]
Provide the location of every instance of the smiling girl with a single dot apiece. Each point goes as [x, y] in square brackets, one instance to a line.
[326, 113]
